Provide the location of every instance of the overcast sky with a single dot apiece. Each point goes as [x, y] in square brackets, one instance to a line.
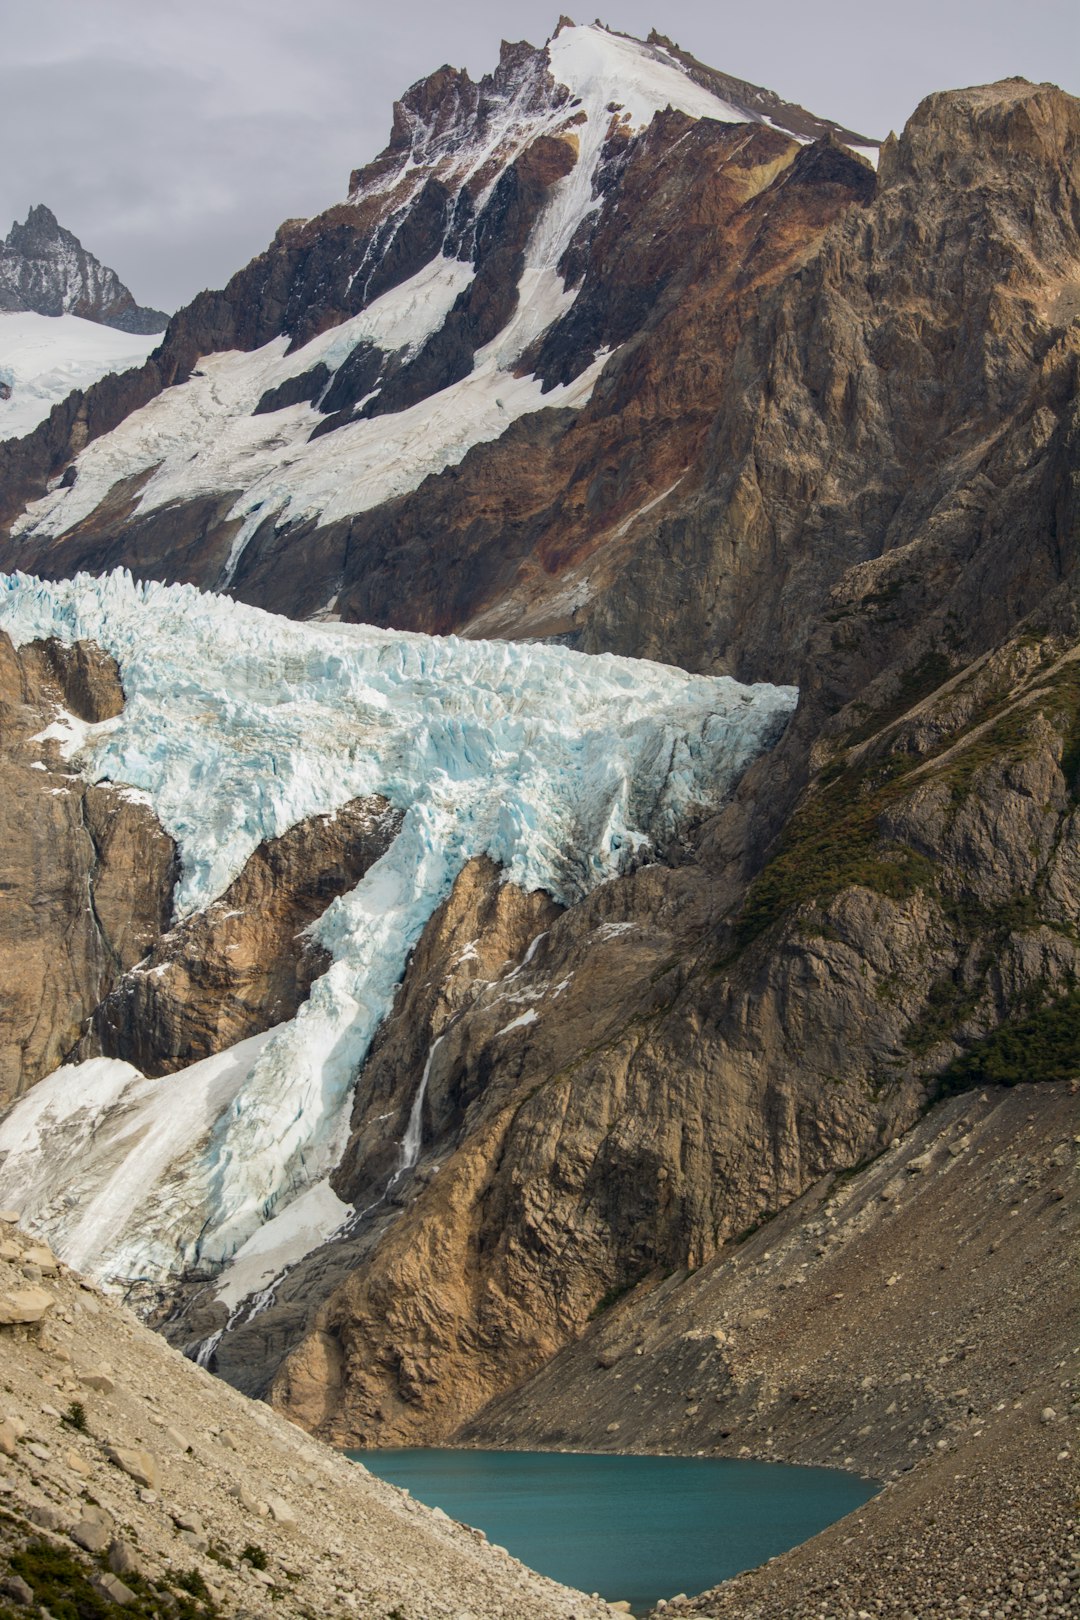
[173, 136]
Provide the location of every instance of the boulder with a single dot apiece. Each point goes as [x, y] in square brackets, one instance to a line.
[112, 1587]
[46, 1517]
[24, 1305]
[97, 1378]
[122, 1559]
[241, 1493]
[91, 1535]
[281, 1512]
[16, 1589]
[40, 1255]
[142, 1466]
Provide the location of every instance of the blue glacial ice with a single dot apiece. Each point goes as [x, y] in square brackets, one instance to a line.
[565, 768]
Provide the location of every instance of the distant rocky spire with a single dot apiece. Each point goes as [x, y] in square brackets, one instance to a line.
[46, 270]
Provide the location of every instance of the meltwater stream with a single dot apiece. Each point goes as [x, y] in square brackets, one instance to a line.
[631, 1528]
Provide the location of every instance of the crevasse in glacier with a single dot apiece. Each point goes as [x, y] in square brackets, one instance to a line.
[563, 767]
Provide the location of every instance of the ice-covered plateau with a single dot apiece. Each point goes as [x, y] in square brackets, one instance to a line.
[43, 357]
[201, 437]
[563, 767]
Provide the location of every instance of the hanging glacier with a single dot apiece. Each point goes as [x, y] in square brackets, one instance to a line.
[563, 767]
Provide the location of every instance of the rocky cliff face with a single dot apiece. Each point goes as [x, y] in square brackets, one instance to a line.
[44, 268]
[245, 963]
[693, 1065]
[87, 871]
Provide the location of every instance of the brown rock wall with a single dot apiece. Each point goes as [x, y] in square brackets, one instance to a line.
[659, 1076]
[86, 871]
[245, 963]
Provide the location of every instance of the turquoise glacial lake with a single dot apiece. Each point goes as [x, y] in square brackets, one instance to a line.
[636, 1528]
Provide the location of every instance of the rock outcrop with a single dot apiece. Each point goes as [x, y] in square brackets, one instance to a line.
[245, 963]
[476, 943]
[46, 269]
[88, 872]
[90, 961]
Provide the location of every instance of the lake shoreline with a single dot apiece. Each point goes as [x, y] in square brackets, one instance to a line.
[635, 1528]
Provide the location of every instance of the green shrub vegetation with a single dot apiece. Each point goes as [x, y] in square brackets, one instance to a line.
[62, 1585]
[1043, 1046]
[833, 843]
[915, 684]
[192, 1581]
[833, 840]
[75, 1417]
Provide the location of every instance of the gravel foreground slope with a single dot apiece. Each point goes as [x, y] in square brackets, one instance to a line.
[149, 1509]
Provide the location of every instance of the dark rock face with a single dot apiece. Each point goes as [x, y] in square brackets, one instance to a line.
[464, 175]
[46, 269]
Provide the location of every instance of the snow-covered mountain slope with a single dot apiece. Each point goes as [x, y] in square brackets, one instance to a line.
[413, 322]
[44, 269]
[565, 769]
[205, 436]
[43, 357]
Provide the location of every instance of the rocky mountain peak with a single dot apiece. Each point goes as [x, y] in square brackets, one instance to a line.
[1012, 124]
[45, 270]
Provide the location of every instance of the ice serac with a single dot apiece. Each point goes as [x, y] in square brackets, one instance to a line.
[566, 770]
[385, 340]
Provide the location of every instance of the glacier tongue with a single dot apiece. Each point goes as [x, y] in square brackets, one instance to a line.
[563, 767]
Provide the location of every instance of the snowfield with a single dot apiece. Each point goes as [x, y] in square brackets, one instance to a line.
[44, 357]
[565, 768]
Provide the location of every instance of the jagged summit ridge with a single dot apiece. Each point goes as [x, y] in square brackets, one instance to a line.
[480, 219]
[45, 270]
